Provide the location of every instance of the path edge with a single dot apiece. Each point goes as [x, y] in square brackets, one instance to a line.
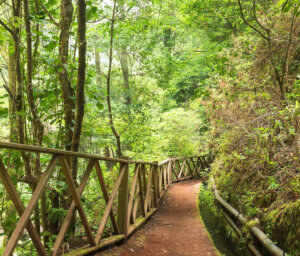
[201, 219]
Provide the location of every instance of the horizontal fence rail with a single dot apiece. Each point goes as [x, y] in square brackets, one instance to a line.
[133, 198]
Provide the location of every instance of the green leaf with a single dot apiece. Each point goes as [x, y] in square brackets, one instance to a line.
[47, 60]
[3, 112]
[49, 47]
[99, 106]
[91, 13]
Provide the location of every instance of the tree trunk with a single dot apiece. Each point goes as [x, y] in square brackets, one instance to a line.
[66, 15]
[37, 39]
[80, 83]
[9, 209]
[13, 133]
[97, 65]
[38, 127]
[108, 81]
[125, 71]
[19, 83]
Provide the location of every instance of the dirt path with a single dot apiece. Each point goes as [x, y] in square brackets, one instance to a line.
[176, 228]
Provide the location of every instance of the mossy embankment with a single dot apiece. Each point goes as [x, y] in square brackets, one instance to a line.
[255, 131]
[280, 224]
[268, 198]
[224, 238]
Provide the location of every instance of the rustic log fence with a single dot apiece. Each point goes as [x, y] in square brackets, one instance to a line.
[234, 218]
[136, 193]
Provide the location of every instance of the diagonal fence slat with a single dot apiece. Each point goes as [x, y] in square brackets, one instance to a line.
[174, 169]
[66, 224]
[189, 168]
[196, 166]
[148, 196]
[135, 207]
[181, 169]
[132, 192]
[25, 218]
[77, 200]
[109, 204]
[106, 197]
[202, 164]
[12, 192]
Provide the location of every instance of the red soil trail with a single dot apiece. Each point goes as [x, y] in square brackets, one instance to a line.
[176, 228]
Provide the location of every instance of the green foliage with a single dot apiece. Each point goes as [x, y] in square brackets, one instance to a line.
[255, 134]
[284, 221]
[287, 5]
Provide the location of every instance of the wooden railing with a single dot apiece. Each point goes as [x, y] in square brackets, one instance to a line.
[136, 191]
[236, 220]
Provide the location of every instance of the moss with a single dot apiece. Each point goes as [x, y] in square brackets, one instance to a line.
[284, 226]
[262, 189]
[104, 242]
[140, 239]
[250, 224]
[201, 190]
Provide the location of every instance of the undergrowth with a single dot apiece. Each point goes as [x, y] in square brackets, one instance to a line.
[255, 137]
[224, 237]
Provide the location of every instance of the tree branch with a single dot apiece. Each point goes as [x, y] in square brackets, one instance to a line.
[5, 86]
[95, 21]
[9, 92]
[285, 60]
[104, 74]
[108, 79]
[49, 15]
[7, 28]
[255, 17]
[249, 25]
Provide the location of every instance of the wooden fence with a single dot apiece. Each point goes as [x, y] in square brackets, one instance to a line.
[235, 219]
[136, 194]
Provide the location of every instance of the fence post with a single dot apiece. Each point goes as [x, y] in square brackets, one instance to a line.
[206, 162]
[160, 176]
[155, 182]
[202, 164]
[123, 200]
[169, 172]
[143, 174]
[164, 172]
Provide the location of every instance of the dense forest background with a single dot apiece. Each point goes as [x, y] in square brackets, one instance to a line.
[150, 80]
